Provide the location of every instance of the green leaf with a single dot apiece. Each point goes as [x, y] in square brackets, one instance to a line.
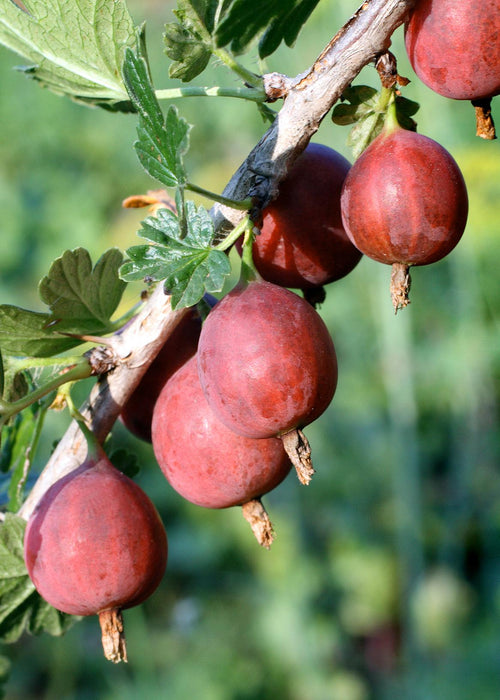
[359, 94]
[286, 26]
[366, 108]
[20, 440]
[29, 333]
[21, 607]
[76, 46]
[189, 56]
[280, 20]
[82, 297]
[81, 300]
[345, 114]
[405, 109]
[162, 142]
[365, 131]
[188, 264]
[125, 461]
[188, 42]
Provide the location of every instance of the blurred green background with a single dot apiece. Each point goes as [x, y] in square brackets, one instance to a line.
[384, 578]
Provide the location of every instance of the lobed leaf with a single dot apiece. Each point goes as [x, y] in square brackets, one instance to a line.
[286, 26]
[278, 20]
[76, 47]
[30, 333]
[361, 106]
[189, 55]
[186, 262]
[188, 42]
[81, 301]
[162, 141]
[80, 295]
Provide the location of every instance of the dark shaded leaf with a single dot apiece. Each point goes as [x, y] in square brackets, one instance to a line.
[286, 27]
[29, 333]
[125, 461]
[280, 20]
[357, 94]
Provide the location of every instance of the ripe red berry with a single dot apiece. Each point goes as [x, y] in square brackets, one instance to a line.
[137, 413]
[454, 47]
[266, 361]
[404, 201]
[95, 543]
[302, 242]
[202, 459]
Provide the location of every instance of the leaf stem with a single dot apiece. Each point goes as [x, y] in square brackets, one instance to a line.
[233, 236]
[248, 270]
[229, 60]
[255, 94]
[387, 105]
[81, 370]
[242, 205]
[19, 364]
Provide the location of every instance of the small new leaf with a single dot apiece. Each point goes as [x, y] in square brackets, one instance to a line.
[188, 264]
[366, 109]
[365, 131]
[188, 42]
[76, 47]
[21, 607]
[162, 142]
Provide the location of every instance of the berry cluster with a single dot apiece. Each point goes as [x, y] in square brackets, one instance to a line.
[225, 402]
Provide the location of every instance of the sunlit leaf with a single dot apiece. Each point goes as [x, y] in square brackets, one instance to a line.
[81, 299]
[74, 47]
[188, 264]
[162, 141]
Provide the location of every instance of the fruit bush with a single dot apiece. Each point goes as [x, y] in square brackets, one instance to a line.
[266, 361]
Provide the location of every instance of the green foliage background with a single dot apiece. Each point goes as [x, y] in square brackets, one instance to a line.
[384, 579]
